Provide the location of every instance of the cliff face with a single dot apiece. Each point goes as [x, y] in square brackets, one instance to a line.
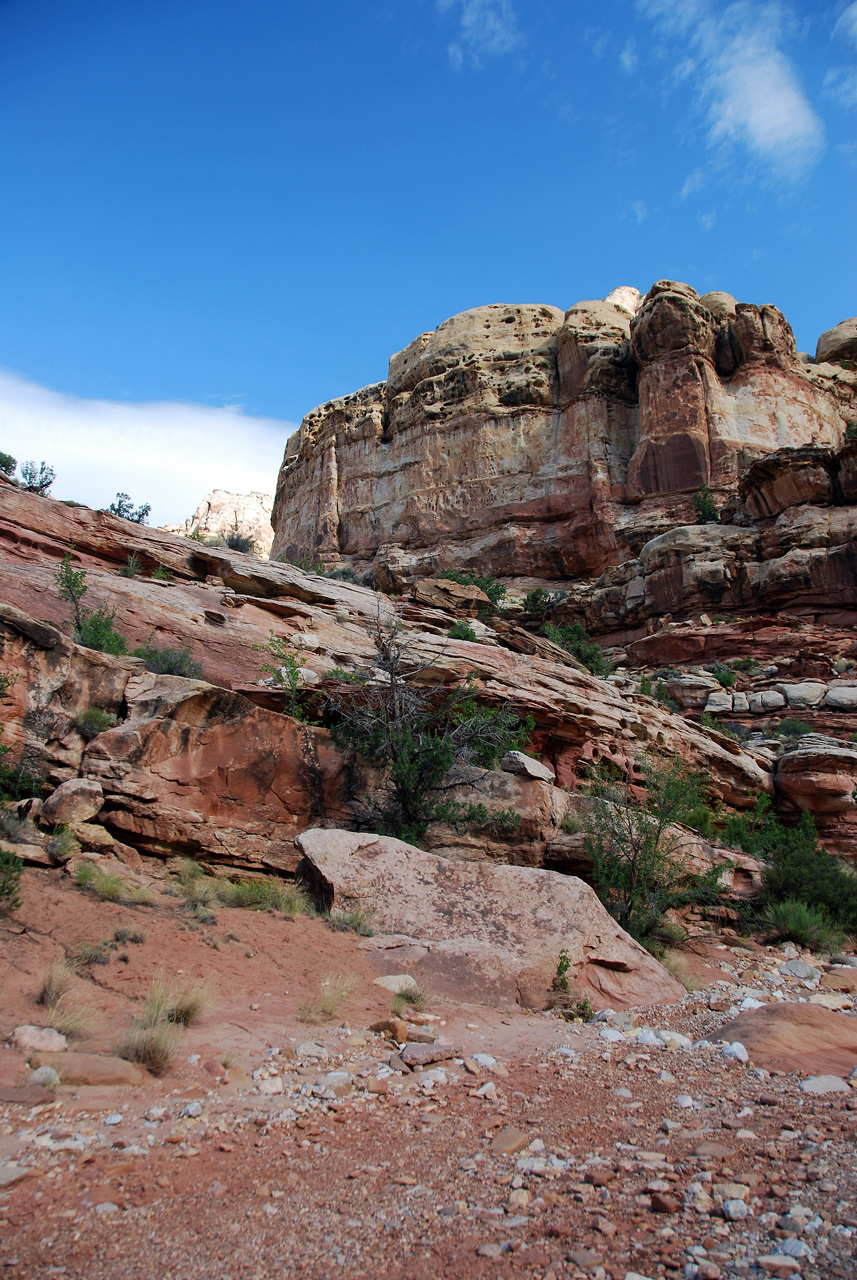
[528, 443]
[221, 513]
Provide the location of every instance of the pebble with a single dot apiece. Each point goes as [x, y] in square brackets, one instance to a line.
[737, 1051]
[824, 1084]
[735, 1210]
[115, 1117]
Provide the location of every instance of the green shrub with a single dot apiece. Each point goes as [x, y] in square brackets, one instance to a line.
[537, 602]
[646, 686]
[344, 574]
[265, 894]
[123, 507]
[356, 920]
[705, 506]
[639, 867]
[726, 679]
[494, 590]
[286, 671]
[8, 464]
[795, 921]
[745, 664]
[15, 829]
[10, 881]
[663, 696]
[169, 662]
[701, 819]
[94, 721]
[791, 728]
[37, 479]
[241, 542]
[462, 630]
[154, 1048]
[63, 844]
[162, 574]
[133, 567]
[575, 640]
[96, 632]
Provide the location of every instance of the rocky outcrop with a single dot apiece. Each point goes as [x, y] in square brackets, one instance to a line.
[433, 923]
[838, 344]
[222, 513]
[528, 443]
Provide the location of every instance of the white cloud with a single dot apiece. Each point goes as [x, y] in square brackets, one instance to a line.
[841, 82]
[168, 454]
[487, 28]
[707, 220]
[628, 58]
[747, 86]
[640, 210]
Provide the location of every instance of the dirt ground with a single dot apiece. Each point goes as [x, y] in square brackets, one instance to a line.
[309, 1154]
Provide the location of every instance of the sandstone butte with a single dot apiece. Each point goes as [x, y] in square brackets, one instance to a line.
[546, 448]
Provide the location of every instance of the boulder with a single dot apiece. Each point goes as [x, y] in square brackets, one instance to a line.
[842, 697]
[489, 931]
[795, 1037]
[33, 1040]
[518, 762]
[77, 800]
[90, 1068]
[839, 343]
[802, 697]
[820, 775]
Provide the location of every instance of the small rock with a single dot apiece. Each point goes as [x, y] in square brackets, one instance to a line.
[489, 1251]
[419, 1055]
[29, 1039]
[800, 969]
[399, 983]
[662, 1203]
[509, 1140]
[517, 762]
[47, 1077]
[519, 1199]
[737, 1051]
[684, 1100]
[735, 1210]
[311, 1050]
[778, 1264]
[115, 1117]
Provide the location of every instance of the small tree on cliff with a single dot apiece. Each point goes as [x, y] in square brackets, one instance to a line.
[640, 867]
[412, 730]
[705, 506]
[91, 628]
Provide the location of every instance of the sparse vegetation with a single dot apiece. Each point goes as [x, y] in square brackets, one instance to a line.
[335, 990]
[537, 602]
[792, 728]
[639, 867]
[413, 733]
[63, 844]
[37, 478]
[8, 464]
[57, 980]
[162, 574]
[679, 968]
[462, 630]
[110, 886]
[154, 1048]
[662, 694]
[799, 922]
[575, 640]
[93, 953]
[10, 881]
[94, 720]
[266, 894]
[286, 670]
[123, 507]
[133, 566]
[181, 1003]
[344, 573]
[236, 541]
[15, 829]
[705, 506]
[163, 661]
[646, 686]
[93, 629]
[357, 919]
[571, 824]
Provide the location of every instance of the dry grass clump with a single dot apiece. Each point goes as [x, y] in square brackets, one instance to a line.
[154, 1048]
[261, 893]
[73, 1019]
[17, 830]
[110, 886]
[676, 964]
[180, 1003]
[335, 990]
[55, 983]
[357, 920]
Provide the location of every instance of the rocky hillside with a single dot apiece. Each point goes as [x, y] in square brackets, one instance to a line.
[221, 514]
[543, 446]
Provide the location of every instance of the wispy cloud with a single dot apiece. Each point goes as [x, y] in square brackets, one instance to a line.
[747, 87]
[168, 454]
[640, 210]
[487, 29]
[841, 82]
[628, 58]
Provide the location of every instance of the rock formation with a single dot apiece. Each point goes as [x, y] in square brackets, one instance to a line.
[532, 444]
[221, 513]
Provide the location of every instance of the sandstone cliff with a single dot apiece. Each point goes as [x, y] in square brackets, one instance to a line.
[221, 513]
[540, 445]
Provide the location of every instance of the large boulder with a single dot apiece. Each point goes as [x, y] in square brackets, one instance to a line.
[819, 775]
[77, 800]
[795, 1037]
[839, 343]
[487, 931]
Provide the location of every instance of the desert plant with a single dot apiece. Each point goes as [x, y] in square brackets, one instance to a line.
[799, 922]
[571, 824]
[462, 630]
[71, 587]
[413, 733]
[562, 967]
[56, 981]
[639, 867]
[537, 602]
[71, 1018]
[646, 686]
[97, 632]
[357, 919]
[286, 671]
[344, 573]
[181, 1003]
[662, 694]
[335, 990]
[110, 886]
[169, 662]
[10, 880]
[726, 679]
[792, 728]
[851, 430]
[123, 507]
[15, 829]
[417, 994]
[154, 1048]
[744, 664]
[63, 844]
[575, 640]
[265, 894]
[679, 968]
[94, 720]
[162, 574]
[705, 506]
[8, 464]
[132, 567]
[241, 542]
[37, 478]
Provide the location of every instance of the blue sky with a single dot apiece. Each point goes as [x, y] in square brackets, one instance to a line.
[219, 213]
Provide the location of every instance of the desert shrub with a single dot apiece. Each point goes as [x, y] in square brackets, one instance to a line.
[705, 506]
[744, 664]
[726, 679]
[571, 824]
[265, 894]
[494, 590]
[335, 990]
[154, 1048]
[93, 721]
[8, 464]
[792, 728]
[701, 819]
[679, 968]
[462, 630]
[646, 686]
[286, 671]
[63, 844]
[72, 1019]
[10, 881]
[575, 639]
[162, 574]
[37, 478]
[110, 886]
[413, 733]
[15, 829]
[164, 661]
[97, 632]
[57, 980]
[663, 696]
[123, 507]
[93, 953]
[537, 602]
[241, 542]
[851, 430]
[344, 573]
[639, 868]
[357, 919]
[133, 567]
[796, 921]
[180, 1003]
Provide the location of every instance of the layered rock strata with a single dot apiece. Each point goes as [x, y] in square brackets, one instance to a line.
[530, 443]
